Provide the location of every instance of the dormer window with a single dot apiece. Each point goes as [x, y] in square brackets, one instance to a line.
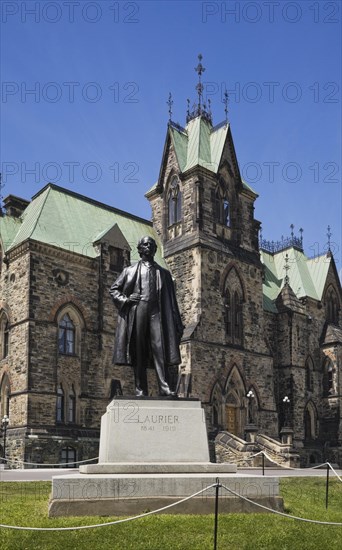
[116, 259]
[174, 203]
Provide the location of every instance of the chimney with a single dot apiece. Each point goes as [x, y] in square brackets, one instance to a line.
[15, 206]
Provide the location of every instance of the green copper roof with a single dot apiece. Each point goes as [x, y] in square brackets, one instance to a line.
[248, 187]
[318, 268]
[217, 141]
[180, 144]
[307, 277]
[198, 144]
[9, 227]
[73, 222]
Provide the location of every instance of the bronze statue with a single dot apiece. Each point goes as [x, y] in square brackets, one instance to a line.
[149, 323]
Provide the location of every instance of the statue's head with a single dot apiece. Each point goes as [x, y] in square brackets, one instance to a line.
[147, 247]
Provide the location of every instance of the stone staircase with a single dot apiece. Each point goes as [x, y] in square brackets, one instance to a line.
[230, 448]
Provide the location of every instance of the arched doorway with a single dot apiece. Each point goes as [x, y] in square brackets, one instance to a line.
[235, 404]
[233, 414]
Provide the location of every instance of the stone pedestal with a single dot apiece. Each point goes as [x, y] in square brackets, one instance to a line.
[286, 434]
[251, 431]
[153, 452]
[153, 430]
[132, 494]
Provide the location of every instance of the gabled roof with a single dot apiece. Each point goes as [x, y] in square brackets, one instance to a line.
[73, 222]
[332, 335]
[288, 300]
[306, 276]
[199, 144]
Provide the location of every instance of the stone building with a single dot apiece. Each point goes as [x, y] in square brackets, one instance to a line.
[262, 341]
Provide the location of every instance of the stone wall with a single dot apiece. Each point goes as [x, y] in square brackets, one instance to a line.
[38, 283]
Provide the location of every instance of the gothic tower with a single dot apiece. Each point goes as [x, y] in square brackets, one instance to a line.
[203, 213]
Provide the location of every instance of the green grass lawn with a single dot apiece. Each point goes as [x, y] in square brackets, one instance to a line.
[26, 504]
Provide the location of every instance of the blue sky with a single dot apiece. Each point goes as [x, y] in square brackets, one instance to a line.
[85, 85]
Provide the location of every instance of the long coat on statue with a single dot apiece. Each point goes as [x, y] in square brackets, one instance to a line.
[172, 328]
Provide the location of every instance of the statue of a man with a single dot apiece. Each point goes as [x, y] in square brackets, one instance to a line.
[149, 323]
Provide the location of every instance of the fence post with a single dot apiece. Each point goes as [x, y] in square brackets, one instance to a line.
[217, 487]
[327, 487]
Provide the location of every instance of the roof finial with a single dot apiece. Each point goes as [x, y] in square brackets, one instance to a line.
[199, 109]
[199, 70]
[301, 231]
[188, 109]
[286, 267]
[226, 101]
[292, 228]
[170, 103]
[329, 235]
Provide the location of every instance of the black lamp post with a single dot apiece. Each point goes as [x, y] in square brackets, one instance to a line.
[4, 423]
[250, 396]
[286, 402]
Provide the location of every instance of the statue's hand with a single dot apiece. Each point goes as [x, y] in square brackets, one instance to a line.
[134, 298]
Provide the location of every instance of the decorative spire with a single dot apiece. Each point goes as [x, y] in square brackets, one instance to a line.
[329, 235]
[199, 108]
[286, 267]
[188, 109]
[170, 103]
[200, 70]
[301, 231]
[209, 108]
[226, 101]
[292, 228]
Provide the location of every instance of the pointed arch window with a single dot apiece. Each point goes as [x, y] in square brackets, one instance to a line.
[222, 207]
[60, 404]
[228, 313]
[331, 306]
[6, 338]
[72, 405]
[174, 203]
[328, 378]
[70, 325]
[237, 308]
[4, 396]
[233, 308]
[4, 335]
[66, 335]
